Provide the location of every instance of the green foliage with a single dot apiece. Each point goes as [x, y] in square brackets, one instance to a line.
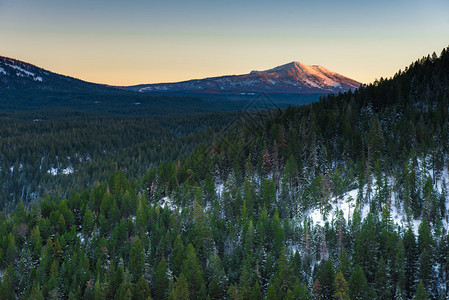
[192, 271]
[421, 293]
[161, 280]
[238, 205]
[358, 285]
[341, 287]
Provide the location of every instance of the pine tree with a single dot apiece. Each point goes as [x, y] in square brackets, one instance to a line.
[142, 290]
[216, 277]
[366, 247]
[300, 290]
[192, 272]
[36, 292]
[358, 286]
[341, 287]
[271, 293]
[177, 256]
[382, 283]
[88, 222]
[327, 279]
[256, 293]
[162, 281]
[426, 270]
[421, 293]
[137, 259]
[344, 267]
[283, 277]
[181, 289]
[98, 291]
[398, 272]
[410, 266]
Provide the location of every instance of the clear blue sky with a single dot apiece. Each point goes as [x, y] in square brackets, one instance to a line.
[135, 41]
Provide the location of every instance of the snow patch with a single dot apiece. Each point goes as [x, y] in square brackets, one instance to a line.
[53, 171]
[56, 171]
[21, 70]
[68, 170]
[219, 189]
[166, 202]
[80, 235]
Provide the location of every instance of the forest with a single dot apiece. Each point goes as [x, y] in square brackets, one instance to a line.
[344, 198]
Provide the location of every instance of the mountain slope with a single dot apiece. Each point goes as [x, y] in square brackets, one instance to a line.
[294, 77]
[17, 75]
[26, 87]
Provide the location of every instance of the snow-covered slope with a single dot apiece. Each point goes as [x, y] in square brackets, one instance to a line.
[21, 76]
[294, 77]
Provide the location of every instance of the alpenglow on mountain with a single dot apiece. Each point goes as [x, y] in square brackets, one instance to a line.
[293, 78]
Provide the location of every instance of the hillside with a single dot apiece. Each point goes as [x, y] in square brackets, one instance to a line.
[344, 198]
[46, 95]
[291, 78]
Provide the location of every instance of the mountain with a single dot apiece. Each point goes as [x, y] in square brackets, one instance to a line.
[16, 75]
[291, 78]
[26, 87]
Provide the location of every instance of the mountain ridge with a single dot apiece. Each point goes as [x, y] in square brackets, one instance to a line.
[294, 77]
[291, 78]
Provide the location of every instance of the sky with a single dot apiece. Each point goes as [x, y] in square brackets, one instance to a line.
[136, 41]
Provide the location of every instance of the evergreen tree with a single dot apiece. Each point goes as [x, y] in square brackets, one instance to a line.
[36, 292]
[341, 287]
[162, 281]
[358, 286]
[181, 289]
[137, 259]
[177, 256]
[192, 272]
[142, 290]
[382, 286]
[421, 293]
[327, 279]
[410, 266]
[256, 293]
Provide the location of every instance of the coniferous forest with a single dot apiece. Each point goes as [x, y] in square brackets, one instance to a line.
[344, 198]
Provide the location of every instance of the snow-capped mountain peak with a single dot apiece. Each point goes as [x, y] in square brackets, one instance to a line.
[294, 77]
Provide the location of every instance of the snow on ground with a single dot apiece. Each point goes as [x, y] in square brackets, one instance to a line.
[23, 71]
[166, 202]
[56, 171]
[81, 237]
[219, 189]
[347, 204]
[68, 170]
[53, 171]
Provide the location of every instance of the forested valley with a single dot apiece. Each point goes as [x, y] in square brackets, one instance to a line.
[345, 198]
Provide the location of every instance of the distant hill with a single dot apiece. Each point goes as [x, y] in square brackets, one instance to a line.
[17, 75]
[26, 87]
[291, 78]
